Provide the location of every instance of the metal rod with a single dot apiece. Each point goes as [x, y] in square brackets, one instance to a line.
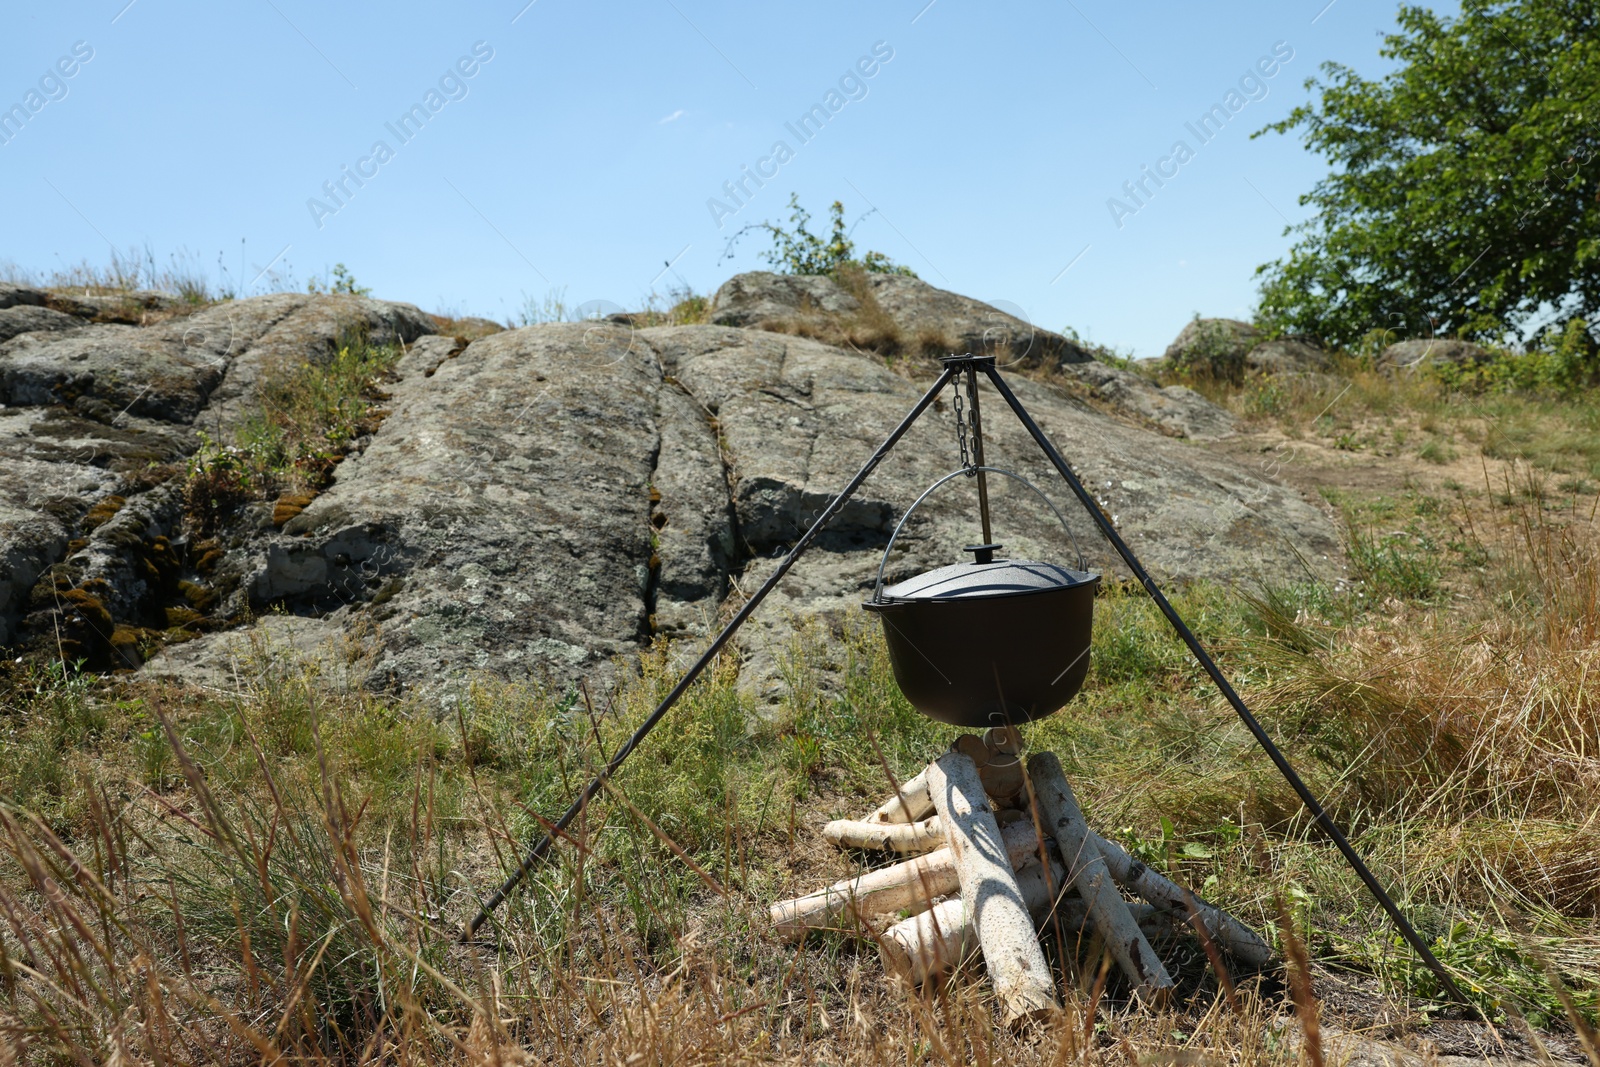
[538, 851]
[1312, 805]
[977, 452]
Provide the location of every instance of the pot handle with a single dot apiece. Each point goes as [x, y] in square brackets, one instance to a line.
[877, 589]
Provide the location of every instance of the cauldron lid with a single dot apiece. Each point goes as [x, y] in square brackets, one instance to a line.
[1001, 577]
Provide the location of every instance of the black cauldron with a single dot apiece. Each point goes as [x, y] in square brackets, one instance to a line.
[990, 641]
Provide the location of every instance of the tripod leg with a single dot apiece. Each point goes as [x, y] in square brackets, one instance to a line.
[539, 849]
[1204, 658]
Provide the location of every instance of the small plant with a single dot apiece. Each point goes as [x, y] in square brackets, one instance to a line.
[1437, 451]
[339, 281]
[797, 250]
[552, 307]
[1396, 565]
[221, 479]
[310, 415]
[1265, 397]
[1102, 353]
[688, 308]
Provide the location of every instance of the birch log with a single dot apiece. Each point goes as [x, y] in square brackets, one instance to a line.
[913, 885]
[1226, 932]
[989, 890]
[911, 804]
[1089, 875]
[909, 838]
[930, 945]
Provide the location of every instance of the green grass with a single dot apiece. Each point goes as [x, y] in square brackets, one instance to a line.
[311, 413]
[1396, 565]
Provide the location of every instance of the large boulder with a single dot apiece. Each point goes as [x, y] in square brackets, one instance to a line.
[1227, 348]
[895, 312]
[915, 313]
[758, 299]
[1408, 355]
[1218, 343]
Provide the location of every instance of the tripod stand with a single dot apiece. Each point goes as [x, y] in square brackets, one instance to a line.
[970, 366]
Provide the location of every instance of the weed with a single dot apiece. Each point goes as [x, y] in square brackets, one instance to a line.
[133, 271]
[797, 250]
[338, 280]
[1399, 565]
[552, 307]
[1437, 451]
[39, 750]
[311, 414]
[1265, 397]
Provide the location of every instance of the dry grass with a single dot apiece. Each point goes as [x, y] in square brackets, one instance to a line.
[279, 873]
[868, 328]
[130, 272]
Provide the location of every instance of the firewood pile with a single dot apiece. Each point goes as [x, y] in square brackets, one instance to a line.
[1000, 851]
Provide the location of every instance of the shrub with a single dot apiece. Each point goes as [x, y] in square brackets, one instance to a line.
[340, 280]
[1562, 360]
[799, 251]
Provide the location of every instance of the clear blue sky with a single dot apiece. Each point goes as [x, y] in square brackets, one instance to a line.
[581, 157]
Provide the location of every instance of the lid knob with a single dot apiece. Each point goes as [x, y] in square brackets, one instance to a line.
[983, 553]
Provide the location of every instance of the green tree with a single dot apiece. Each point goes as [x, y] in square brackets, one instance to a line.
[799, 251]
[1465, 194]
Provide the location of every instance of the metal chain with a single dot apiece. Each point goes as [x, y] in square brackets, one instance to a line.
[961, 431]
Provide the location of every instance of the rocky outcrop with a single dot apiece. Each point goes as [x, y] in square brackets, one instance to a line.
[168, 371]
[759, 299]
[542, 501]
[799, 418]
[95, 421]
[1176, 409]
[898, 313]
[1408, 355]
[1215, 342]
[912, 308]
[1228, 348]
[553, 496]
[41, 506]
